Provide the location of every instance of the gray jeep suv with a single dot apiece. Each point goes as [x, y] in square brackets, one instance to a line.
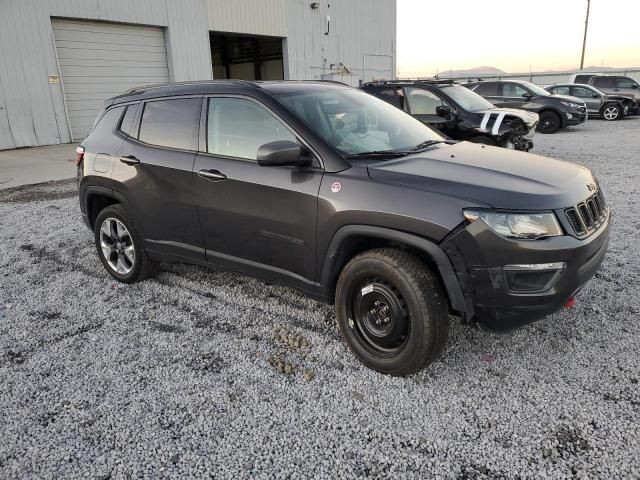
[332, 191]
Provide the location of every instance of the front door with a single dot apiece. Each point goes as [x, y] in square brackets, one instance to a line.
[262, 219]
[423, 105]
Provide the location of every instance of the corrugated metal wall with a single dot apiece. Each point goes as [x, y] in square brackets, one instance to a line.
[32, 110]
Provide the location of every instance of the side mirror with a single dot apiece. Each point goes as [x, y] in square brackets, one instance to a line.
[635, 85]
[596, 95]
[527, 96]
[443, 111]
[283, 153]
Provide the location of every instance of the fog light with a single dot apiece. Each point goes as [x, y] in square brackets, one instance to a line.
[532, 277]
[569, 116]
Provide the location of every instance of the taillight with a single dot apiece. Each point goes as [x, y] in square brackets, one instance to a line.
[79, 154]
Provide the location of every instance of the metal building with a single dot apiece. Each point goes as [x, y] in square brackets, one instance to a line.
[60, 59]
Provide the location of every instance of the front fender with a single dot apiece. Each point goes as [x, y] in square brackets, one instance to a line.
[336, 253]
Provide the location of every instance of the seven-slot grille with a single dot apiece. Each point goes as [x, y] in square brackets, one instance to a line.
[587, 216]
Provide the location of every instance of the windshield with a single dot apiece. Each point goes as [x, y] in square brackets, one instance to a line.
[355, 122]
[468, 100]
[536, 89]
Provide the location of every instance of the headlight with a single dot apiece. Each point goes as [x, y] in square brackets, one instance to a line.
[518, 225]
[570, 104]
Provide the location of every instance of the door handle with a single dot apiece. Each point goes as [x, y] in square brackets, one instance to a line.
[214, 175]
[129, 160]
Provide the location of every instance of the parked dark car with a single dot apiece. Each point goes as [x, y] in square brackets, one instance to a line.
[608, 107]
[556, 111]
[332, 191]
[458, 112]
[617, 85]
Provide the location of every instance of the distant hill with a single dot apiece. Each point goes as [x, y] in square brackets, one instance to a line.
[472, 72]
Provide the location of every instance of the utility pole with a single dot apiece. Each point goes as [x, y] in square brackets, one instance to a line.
[584, 41]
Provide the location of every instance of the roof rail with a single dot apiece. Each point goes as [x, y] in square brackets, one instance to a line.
[155, 86]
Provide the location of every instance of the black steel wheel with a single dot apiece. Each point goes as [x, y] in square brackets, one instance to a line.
[392, 311]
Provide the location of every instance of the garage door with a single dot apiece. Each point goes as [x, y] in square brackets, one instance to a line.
[99, 60]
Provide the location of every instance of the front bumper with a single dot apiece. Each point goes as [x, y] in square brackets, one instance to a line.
[575, 117]
[479, 256]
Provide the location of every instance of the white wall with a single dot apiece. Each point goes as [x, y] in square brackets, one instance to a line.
[361, 36]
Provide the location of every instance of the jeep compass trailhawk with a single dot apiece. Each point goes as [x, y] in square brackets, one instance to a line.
[332, 191]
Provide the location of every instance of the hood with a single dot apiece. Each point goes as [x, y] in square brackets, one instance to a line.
[529, 118]
[568, 98]
[501, 178]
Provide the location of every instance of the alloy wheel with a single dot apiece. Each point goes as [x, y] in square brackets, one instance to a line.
[611, 113]
[117, 246]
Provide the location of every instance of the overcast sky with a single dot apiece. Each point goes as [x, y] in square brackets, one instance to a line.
[515, 35]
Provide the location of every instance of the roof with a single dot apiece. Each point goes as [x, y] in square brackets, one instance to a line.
[428, 81]
[203, 87]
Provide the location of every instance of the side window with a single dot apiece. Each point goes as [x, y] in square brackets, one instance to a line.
[582, 92]
[127, 120]
[489, 89]
[422, 102]
[582, 78]
[237, 128]
[171, 123]
[560, 90]
[389, 95]
[108, 121]
[604, 82]
[622, 82]
[513, 90]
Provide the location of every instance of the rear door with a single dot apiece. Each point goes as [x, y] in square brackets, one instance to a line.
[154, 172]
[257, 219]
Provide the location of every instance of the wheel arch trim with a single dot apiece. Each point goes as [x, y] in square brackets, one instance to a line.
[437, 255]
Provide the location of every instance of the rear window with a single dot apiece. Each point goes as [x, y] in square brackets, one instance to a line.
[171, 123]
[107, 123]
[487, 89]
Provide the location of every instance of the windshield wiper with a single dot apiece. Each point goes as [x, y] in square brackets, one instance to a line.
[378, 153]
[426, 144]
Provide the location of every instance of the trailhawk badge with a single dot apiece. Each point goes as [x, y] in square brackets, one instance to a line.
[335, 187]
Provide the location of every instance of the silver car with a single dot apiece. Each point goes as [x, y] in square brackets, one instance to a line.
[599, 104]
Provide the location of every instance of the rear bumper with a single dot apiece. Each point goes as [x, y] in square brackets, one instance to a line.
[499, 302]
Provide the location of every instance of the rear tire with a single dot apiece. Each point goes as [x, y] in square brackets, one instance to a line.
[392, 311]
[120, 246]
[611, 112]
[550, 122]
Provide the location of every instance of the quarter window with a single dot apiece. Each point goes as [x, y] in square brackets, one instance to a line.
[237, 127]
[171, 123]
[422, 102]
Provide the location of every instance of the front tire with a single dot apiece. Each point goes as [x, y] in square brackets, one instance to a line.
[392, 311]
[550, 122]
[611, 112]
[120, 246]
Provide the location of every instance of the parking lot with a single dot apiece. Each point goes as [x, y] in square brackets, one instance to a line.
[201, 372]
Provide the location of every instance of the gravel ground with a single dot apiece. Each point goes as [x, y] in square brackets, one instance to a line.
[203, 372]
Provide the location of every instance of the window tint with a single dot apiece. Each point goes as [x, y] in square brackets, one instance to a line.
[513, 90]
[422, 102]
[582, 78]
[622, 82]
[237, 128]
[127, 120]
[388, 95]
[171, 123]
[108, 121]
[489, 89]
[604, 82]
[582, 92]
[560, 90]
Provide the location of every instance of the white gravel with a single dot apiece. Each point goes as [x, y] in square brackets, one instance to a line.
[184, 375]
